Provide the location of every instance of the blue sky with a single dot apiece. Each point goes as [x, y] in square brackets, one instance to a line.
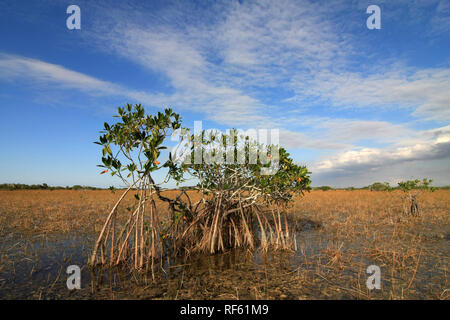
[355, 105]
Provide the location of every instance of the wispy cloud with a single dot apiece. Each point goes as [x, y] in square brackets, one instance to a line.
[441, 19]
[425, 91]
[222, 68]
[257, 63]
[15, 68]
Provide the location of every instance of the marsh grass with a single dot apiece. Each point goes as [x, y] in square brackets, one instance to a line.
[339, 233]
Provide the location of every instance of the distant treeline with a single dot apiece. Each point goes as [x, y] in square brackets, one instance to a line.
[377, 186]
[44, 186]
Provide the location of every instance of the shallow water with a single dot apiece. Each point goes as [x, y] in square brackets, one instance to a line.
[35, 268]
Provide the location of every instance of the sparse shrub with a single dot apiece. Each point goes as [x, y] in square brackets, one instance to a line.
[21, 186]
[379, 186]
[324, 188]
[412, 190]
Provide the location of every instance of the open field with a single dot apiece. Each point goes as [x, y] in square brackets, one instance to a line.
[339, 234]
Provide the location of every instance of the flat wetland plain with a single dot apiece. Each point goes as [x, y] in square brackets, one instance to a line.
[339, 234]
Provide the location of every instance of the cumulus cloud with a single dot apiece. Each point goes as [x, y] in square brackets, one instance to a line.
[437, 146]
[342, 134]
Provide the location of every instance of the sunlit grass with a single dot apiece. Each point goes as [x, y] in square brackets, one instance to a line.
[339, 234]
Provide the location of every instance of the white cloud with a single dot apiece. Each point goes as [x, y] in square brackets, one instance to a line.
[225, 62]
[434, 144]
[16, 67]
[222, 67]
[426, 91]
[441, 19]
[342, 134]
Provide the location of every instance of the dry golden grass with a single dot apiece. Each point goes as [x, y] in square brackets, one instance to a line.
[62, 211]
[358, 228]
[365, 227]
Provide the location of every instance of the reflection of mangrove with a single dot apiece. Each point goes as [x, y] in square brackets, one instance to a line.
[194, 267]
